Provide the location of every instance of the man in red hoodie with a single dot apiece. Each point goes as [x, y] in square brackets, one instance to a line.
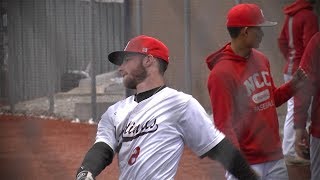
[299, 26]
[243, 95]
[310, 63]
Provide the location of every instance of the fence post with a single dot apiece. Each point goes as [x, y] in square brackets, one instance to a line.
[93, 64]
[138, 24]
[51, 57]
[12, 55]
[187, 54]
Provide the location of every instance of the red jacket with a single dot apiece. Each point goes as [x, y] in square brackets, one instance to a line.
[299, 26]
[244, 100]
[310, 62]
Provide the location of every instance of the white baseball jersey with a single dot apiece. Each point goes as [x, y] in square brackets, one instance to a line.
[149, 136]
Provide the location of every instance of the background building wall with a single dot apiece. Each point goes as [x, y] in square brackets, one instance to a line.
[165, 20]
[48, 38]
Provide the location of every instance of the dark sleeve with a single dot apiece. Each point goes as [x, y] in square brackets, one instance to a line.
[98, 157]
[232, 160]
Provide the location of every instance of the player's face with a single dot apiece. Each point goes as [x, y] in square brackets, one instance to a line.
[132, 70]
[254, 36]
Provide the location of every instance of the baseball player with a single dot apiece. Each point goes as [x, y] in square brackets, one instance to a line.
[300, 25]
[148, 130]
[243, 95]
[310, 62]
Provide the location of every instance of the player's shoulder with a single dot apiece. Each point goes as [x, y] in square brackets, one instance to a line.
[315, 40]
[175, 95]
[122, 104]
[224, 70]
[259, 55]
[256, 52]
[306, 13]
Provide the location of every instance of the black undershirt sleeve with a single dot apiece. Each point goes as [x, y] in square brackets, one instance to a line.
[98, 157]
[232, 159]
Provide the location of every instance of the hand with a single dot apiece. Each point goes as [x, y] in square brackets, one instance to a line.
[302, 146]
[299, 78]
[84, 175]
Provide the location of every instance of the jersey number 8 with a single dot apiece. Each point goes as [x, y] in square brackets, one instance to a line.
[134, 156]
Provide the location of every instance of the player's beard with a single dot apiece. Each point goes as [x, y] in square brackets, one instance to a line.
[137, 76]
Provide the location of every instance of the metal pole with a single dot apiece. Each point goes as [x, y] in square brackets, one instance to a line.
[12, 54]
[139, 17]
[75, 41]
[237, 1]
[22, 84]
[101, 59]
[127, 21]
[93, 65]
[51, 57]
[187, 54]
[138, 20]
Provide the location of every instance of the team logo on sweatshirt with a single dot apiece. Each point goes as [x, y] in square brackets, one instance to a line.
[261, 96]
[264, 106]
[255, 86]
[256, 81]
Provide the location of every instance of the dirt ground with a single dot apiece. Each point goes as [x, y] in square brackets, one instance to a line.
[34, 148]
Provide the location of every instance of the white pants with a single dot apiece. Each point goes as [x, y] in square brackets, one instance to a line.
[273, 170]
[315, 157]
[288, 129]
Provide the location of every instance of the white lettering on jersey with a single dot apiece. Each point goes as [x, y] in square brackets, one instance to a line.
[254, 82]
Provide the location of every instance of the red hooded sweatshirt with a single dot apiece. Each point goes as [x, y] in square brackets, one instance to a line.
[299, 26]
[310, 63]
[244, 100]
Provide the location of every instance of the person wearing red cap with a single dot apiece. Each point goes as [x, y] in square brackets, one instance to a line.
[300, 25]
[310, 63]
[148, 130]
[243, 95]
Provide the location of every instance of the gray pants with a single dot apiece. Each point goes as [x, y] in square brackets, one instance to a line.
[273, 170]
[288, 130]
[315, 158]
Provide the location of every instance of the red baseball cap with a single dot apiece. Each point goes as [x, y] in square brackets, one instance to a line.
[144, 45]
[243, 15]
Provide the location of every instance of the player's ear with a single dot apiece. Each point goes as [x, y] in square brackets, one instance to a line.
[148, 60]
[244, 31]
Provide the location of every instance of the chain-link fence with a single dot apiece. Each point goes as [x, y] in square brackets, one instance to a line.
[50, 49]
